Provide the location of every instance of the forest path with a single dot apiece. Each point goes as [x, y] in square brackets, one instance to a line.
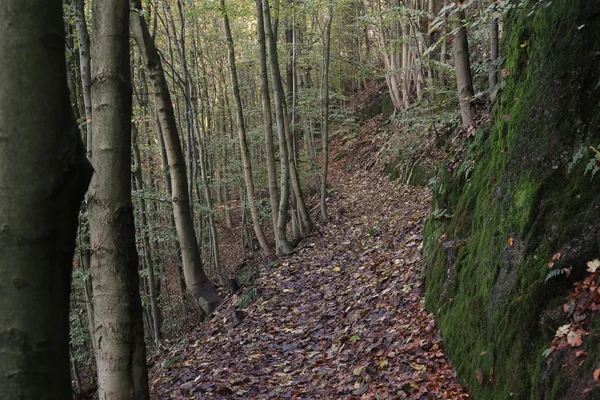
[343, 318]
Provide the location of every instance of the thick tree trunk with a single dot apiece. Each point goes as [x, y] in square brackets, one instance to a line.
[119, 331]
[325, 118]
[39, 201]
[198, 285]
[242, 135]
[464, 81]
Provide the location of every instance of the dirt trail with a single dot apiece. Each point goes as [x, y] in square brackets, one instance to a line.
[343, 318]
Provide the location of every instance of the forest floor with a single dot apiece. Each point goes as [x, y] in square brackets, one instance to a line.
[341, 318]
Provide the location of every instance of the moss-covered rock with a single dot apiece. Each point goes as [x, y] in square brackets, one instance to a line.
[525, 196]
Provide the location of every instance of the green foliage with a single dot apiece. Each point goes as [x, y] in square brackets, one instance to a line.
[526, 181]
[554, 274]
[246, 275]
[593, 165]
[439, 213]
[247, 298]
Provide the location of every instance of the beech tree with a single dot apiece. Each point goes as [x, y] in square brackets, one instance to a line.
[43, 177]
[242, 134]
[464, 81]
[197, 283]
[118, 332]
[325, 118]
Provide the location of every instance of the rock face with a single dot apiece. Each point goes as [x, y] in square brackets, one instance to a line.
[527, 190]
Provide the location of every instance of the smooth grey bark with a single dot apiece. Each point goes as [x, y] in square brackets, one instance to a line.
[168, 188]
[119, 331]
[43, 178]
[464, 81]
[245, 153]
[83, 38]
[325, 115]
[493, 73]
[284, 126]
[282, 217]
[268, 121]
[198, 285]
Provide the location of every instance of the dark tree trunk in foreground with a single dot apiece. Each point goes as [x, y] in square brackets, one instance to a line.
[43, 177]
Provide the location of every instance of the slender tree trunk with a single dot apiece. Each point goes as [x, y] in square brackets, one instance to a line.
[462, 65]
[84, 264]
[119, 331]
[212, 225]
[84, 64]
[75, 372]
[493, 74]
[282, 217]
[147, 232]
[198, 285]
[268, 120]
[242, 135]
[172, 224]
[325, 119]
[300, 206]
[391, 65]
[39, 201]
[302, 211]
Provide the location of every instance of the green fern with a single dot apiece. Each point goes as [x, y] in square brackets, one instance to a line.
[554, 274]
[546, 352]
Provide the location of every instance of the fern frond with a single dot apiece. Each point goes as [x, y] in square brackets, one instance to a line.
[554, 274]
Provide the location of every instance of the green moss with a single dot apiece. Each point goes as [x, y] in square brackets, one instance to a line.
[488, 294]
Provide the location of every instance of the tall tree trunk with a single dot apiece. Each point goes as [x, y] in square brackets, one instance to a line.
[198, 285]
[493, 74]
[84, 65]
[146, 235]
[212, 225]
[464, 81]
[242, 135]
[282, 217]
[325, 119]
[119, 331]
[169, 189]
[39, 201]
[268, 120]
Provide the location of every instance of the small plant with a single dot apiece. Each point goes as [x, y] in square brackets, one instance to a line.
[246, 298]
[594, 165]
[440, 213]
[557, 272]
[171, 361]
[546, 352]
[246, 275]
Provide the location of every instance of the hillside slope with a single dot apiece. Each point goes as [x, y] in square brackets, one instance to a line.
[525, 202]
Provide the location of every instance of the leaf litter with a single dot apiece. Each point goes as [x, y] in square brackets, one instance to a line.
[342, 318]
